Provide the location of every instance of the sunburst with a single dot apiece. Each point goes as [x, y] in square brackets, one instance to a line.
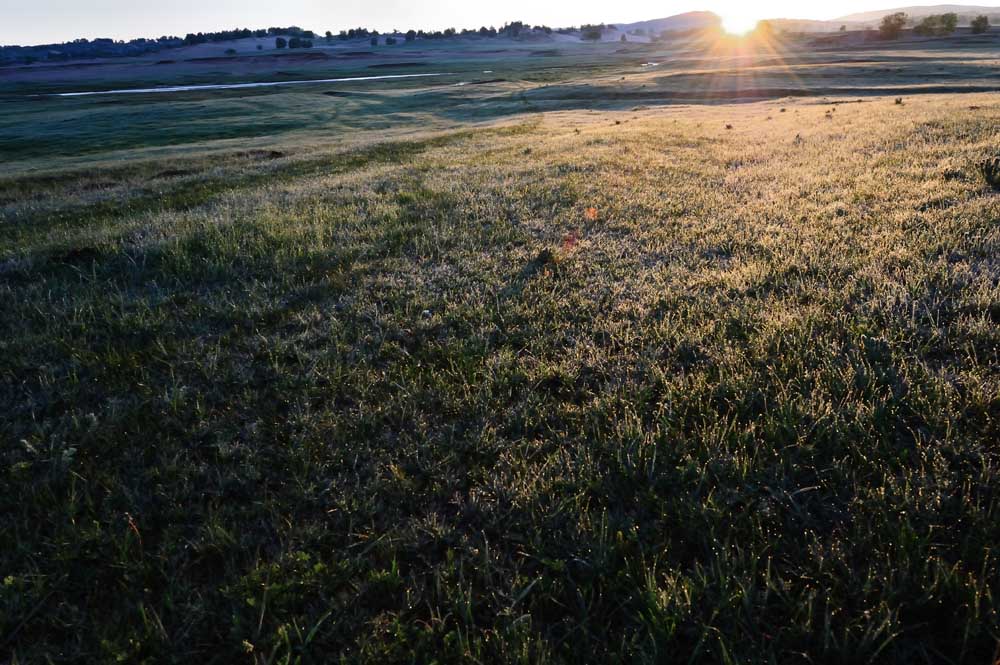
[739, 24]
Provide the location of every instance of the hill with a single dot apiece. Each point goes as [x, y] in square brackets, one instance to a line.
[920, 12]
[805, 25]
[708, 20]
[676, 23]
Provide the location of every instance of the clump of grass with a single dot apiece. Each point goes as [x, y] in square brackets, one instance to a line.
[990, 170]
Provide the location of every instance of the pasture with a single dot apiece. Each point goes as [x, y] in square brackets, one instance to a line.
[590, 361]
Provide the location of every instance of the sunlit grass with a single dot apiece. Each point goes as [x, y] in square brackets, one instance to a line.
[595, 387]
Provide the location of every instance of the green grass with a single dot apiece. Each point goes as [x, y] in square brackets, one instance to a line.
[409, 402]
[487, 81]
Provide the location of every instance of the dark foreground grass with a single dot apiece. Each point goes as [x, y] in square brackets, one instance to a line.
[655, 391]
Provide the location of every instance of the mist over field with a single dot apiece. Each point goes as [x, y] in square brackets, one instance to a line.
[672, 340]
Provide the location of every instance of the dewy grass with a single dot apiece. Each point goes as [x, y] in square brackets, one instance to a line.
[147, 188]
[581, 391]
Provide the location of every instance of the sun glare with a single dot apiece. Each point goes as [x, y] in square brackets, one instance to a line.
[736, 24]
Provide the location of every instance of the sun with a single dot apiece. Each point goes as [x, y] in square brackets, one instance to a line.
[739, 24]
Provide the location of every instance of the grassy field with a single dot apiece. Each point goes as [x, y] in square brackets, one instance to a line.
[483, 83]
[706, 384]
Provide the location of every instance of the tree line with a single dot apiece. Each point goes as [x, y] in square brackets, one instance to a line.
[292, 37]
[512, 29]
[111, 48]
[87, 48]
[246, 33]
[935, 25]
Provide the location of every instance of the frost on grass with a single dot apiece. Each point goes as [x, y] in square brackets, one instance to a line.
[656, 392]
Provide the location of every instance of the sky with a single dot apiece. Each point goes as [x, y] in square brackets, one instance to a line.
[47, 21]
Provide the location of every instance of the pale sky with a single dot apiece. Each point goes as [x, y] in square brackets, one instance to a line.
[45, 21]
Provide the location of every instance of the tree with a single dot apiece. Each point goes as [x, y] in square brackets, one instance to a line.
[624, 38]
[390, 41]
[411, 35]
[892, 25]
[513, 29]
[280, 42]
[937, 25]
[927, 27]
[980, 24]
[591, 33]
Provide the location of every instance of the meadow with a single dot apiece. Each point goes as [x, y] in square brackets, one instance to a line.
[534, 371]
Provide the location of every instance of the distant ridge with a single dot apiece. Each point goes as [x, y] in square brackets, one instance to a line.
[692, 21]
[806, 25]
[919, 12]
[702, 19]
[676, 23]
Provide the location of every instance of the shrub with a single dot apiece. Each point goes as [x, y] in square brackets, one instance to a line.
[280, 42]
[980, 24]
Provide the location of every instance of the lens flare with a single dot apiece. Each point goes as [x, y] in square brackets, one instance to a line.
[736, 24]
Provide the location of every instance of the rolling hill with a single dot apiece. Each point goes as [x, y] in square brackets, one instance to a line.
[676, 23]
[964, 11]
